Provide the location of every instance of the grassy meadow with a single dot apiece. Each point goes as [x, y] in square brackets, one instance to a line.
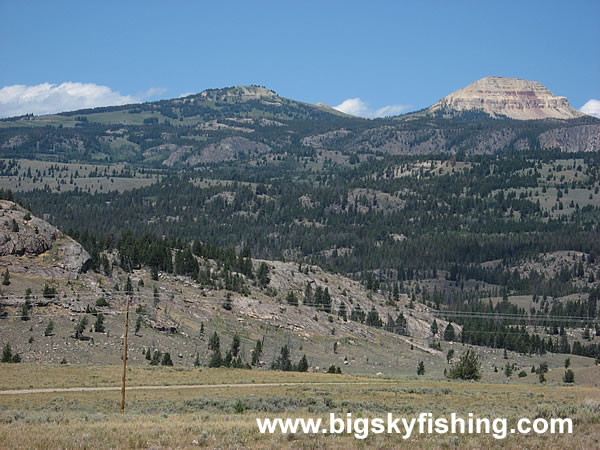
[225, 416]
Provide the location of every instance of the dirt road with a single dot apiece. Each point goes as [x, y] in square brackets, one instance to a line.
[180, 386]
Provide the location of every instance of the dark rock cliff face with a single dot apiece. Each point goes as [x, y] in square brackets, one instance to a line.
[32, 246]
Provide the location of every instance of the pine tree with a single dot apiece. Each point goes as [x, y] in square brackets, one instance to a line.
[166, 360]
[156, 296]
[138, 324]
[80, 328]
[292, 299]
[6, 354]
[148, 354]
[569, 376]
[214, 343]
[128, 287]
[302, 365]
[155, 361]
[235, 345]
[228, 359]
[373, 319]
[434, 328]
[197, 360]
[228, 303]
[468, 367]
[6, 278]
[216, 360]
[99, 324]
[256, 353]
[283, 361]
[326, 301]
[263, 275]
[48, 291]
[25, 308]
[449, 334]
[342, 312]
[49, 329]
[421, 368]
[308, 296]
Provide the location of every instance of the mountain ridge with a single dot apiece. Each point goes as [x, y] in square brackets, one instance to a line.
[253, 122]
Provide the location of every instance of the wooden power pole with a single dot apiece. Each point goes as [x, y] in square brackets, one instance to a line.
[125, 356]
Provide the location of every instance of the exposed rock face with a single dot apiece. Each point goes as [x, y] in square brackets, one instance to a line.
[228, 149]
[511, 97]
[239, 93]
[32, 246]
[584, 138]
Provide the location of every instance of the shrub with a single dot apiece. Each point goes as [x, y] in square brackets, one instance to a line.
[48, 291]
[102, 302]
[522, 374]
[332, 369]
[239, 407]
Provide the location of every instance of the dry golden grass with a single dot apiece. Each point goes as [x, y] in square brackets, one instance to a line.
[40, 376]
[226, 417]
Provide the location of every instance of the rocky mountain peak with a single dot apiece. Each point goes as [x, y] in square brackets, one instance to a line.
[511, 97]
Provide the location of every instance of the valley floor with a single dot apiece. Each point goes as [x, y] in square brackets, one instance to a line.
[213, 415]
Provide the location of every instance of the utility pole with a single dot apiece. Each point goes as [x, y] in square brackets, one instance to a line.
[125, 356]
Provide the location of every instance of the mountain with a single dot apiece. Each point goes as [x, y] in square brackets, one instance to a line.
[253, 123]
[506, 97]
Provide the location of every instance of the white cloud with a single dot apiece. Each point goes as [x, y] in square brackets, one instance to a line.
[592, 107]
[47, 98]
[152, 92]
[358, 107]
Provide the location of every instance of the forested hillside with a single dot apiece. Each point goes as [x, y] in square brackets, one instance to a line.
[491, 224]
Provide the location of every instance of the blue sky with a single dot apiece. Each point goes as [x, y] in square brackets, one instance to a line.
[392, 55]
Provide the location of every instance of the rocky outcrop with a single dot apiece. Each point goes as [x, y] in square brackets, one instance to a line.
[32, 246]
[225, 150]
[511, 97]
[228, 149]
[583, 138]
